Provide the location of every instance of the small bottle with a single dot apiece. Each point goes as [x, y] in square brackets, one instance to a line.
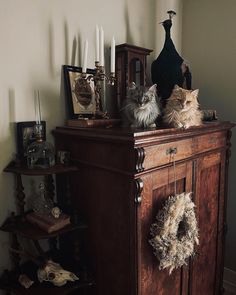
[41, 203]
[40, 153]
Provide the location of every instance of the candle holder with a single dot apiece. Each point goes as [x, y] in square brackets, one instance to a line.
[98, 78]
[82, 88]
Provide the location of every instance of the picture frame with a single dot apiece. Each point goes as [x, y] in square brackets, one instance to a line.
[25, 136]
[80, 97]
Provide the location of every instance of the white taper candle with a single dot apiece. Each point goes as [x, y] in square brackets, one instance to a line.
[101, 49]
[85, 57]
[97, 44]
[113, 45]
[37, 107]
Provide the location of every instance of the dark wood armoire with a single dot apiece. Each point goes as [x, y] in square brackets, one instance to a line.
[123, 179]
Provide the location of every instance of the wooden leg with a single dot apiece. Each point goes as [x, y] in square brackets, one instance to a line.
[53, 245]
[50, 187]
[39, 248]
[67, 192]
[20, 194]
[72, 209]
[15, 256]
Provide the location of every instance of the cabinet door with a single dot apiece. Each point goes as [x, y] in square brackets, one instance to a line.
[207, 268]
[157, 187]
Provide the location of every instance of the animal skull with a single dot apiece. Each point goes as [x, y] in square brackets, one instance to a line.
[56, 212]
[52, 272]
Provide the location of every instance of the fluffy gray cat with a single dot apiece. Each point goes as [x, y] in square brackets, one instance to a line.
[140, 108]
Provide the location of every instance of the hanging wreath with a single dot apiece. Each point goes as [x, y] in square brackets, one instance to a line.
[175, 232]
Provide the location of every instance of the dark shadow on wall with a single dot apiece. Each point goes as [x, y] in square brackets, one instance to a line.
[129, 38]
[66, 35]
[51, 42]
[73, 53]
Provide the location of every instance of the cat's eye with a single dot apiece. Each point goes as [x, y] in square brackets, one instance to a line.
[188, 102]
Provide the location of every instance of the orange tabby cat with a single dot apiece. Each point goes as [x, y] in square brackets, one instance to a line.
[182, 108]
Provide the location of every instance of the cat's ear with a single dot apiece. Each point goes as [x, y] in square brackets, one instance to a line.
[153, 88]
[195, 93]
[132, 85]
[176, 87]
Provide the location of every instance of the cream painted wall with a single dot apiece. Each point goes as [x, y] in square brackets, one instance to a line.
[162, 7]
[209, 43]
[37, 37]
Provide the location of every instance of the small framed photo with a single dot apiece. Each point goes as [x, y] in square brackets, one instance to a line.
[25, 136]
[63, 157]
[80, 94]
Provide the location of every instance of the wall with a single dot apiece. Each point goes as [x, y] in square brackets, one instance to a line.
[176, 31]
[209, 43]
[37, 37]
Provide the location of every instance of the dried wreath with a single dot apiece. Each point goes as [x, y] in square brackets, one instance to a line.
[175, 232]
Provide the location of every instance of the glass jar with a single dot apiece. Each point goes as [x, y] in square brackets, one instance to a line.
[41, 203]
[40, 153]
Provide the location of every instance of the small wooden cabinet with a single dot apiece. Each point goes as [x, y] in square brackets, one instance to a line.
[131, 63]
[124, 177]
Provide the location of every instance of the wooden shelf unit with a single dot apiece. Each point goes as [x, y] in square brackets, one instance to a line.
[18, 226]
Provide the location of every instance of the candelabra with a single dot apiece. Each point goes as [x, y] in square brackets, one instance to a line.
[98, 78]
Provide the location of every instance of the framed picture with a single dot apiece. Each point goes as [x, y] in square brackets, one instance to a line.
[25, 136]
[80, 94]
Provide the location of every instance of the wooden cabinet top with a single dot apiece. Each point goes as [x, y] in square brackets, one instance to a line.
[139, 136]
[132, 151]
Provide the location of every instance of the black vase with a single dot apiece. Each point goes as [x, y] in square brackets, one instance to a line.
[169, 68]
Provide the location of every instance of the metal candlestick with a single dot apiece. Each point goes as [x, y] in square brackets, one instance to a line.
[98, 78]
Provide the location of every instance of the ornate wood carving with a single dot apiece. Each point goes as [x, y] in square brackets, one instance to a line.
[139, 159]
[139, 189]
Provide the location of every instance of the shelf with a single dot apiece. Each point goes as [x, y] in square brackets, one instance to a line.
[24, 170]
[39, 289]
[18, 225]
[8, 282]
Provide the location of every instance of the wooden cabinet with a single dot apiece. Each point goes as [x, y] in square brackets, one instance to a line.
[123, 179]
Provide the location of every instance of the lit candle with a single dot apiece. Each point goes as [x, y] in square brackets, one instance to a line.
[101, 49]
[97, 44]
[85, 57]
[113, 44]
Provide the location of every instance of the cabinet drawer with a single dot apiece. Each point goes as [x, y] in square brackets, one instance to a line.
[210, 141]
[161, 154]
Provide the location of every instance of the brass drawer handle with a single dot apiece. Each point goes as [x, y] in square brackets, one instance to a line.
[171, 151]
